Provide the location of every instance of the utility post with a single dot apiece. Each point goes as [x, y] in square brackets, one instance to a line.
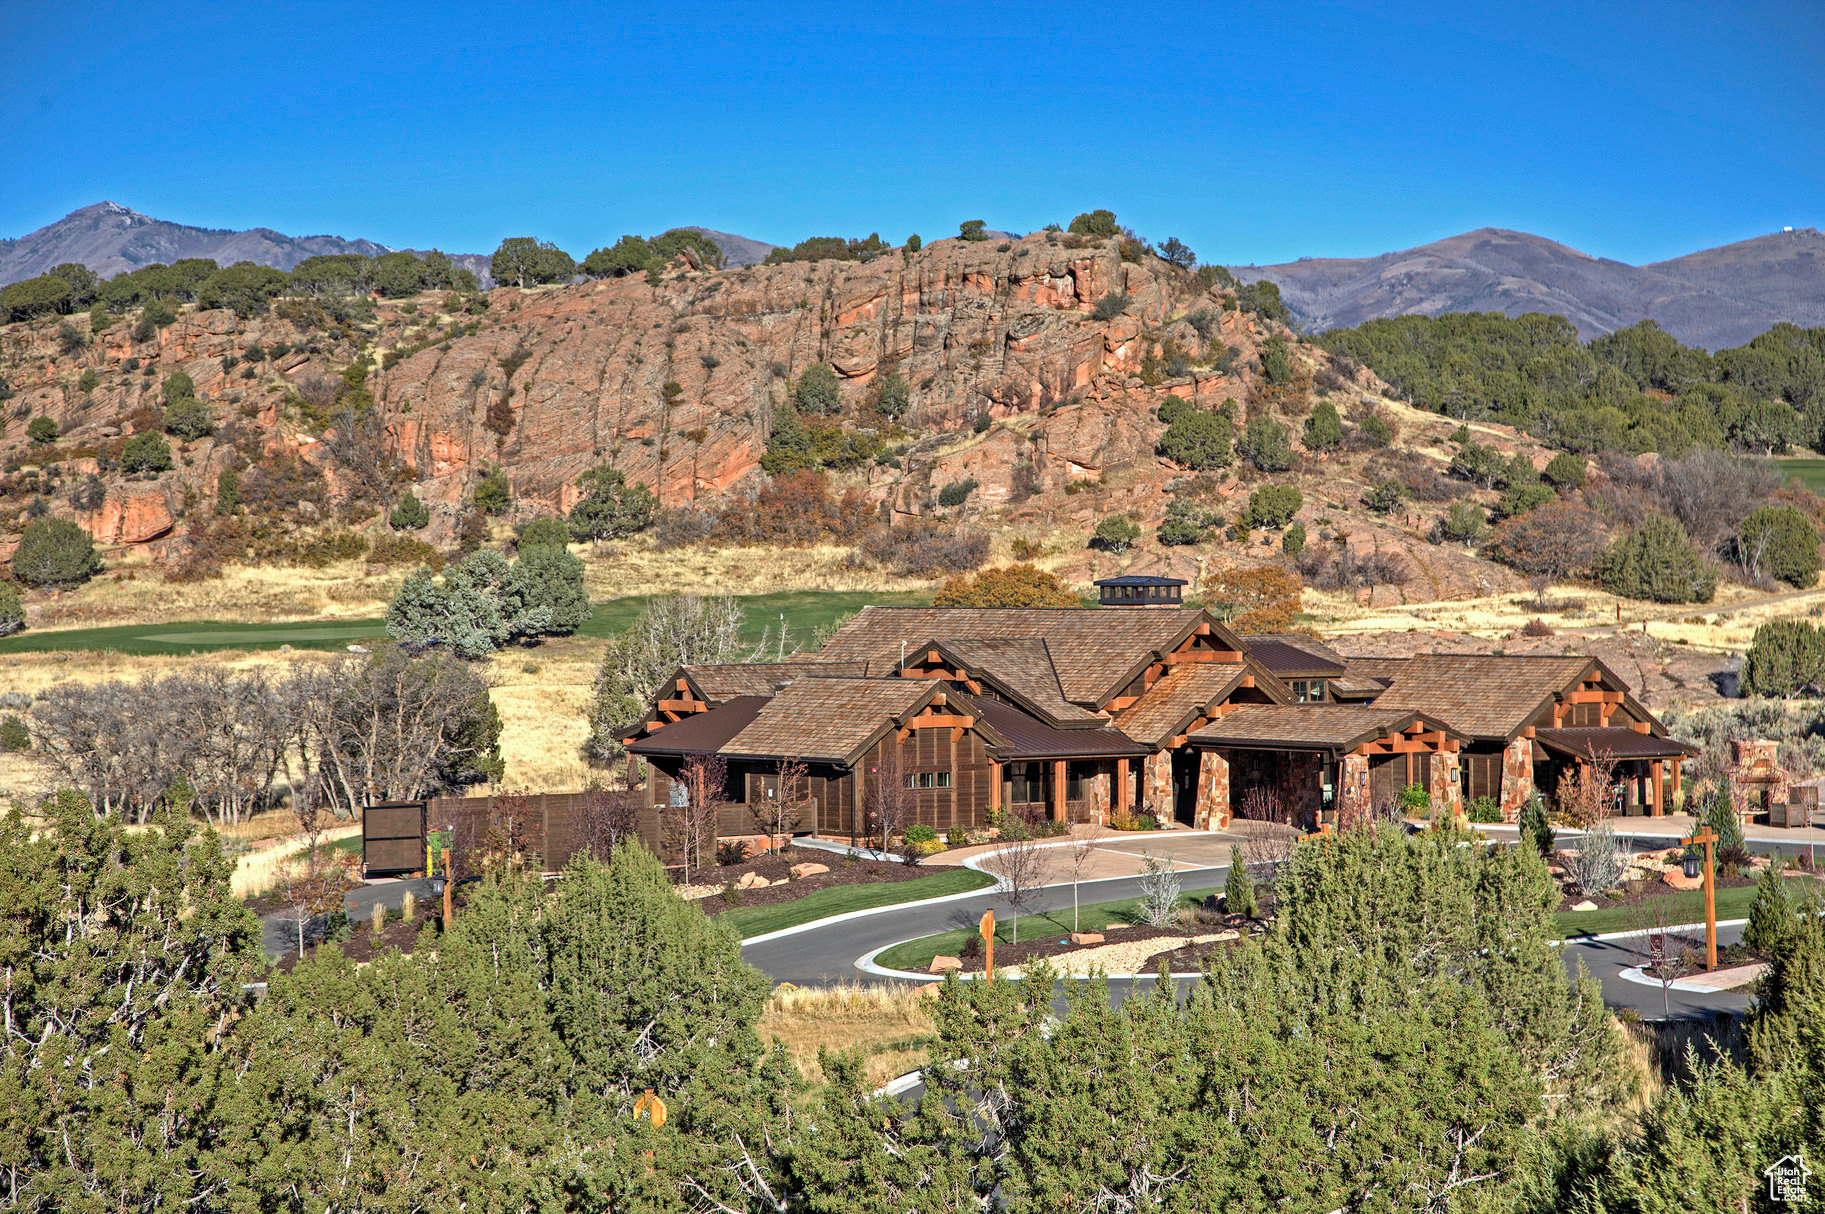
[987, 927]
[1708, 837]
[446, 866]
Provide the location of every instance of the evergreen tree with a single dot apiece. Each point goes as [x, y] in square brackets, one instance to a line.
[227, 492]
[550, 579]
[894, 396]
[1772, 922]
[1535, 828]
[409, 514]
[124, 955]
[1785, 658]
[54, 551]
[1323, 429]
[1239, 887]
[1198, 440]
[1657, 563]
[1265, 444]
[610, 507]
[1780, 542]
[544, 532]
[817, 391]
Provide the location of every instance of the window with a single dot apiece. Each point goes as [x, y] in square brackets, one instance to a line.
[1308, 691]
[1024, 784]
[928, 779]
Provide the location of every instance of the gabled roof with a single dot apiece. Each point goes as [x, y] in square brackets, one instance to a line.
[1178, 698]
[1488, 696]
[726, 680]
[1337, 728]
[1091, 649]
[1021, 668]
[701, 732]
[1014, 735]
[829, 720]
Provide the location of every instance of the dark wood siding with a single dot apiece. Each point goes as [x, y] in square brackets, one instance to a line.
[1483, 774]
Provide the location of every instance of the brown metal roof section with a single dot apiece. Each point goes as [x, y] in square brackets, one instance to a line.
[726, 680]
[1180, 697]
[701, 732]
[832, 719]
[1091, 650]
[1021, 668]
[1295, 655]
[1488, 696]
[1613, 743]
[1337, 728]
[1019, 736]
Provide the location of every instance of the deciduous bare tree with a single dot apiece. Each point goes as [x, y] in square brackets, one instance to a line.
[704, 777]
[1019, 869]
[791, 800]
[889, 805]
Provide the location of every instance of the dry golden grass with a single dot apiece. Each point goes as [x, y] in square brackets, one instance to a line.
[263, 869]
[543, 695]
[635, 567]
[891, 1025]
[133, 591]
[1571, 608]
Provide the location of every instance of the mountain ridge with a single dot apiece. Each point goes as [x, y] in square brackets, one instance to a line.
[110, 238]
[1713, 298]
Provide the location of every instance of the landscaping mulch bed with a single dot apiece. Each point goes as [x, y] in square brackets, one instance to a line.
[399, 935]
[776, 867]
[1054, 942]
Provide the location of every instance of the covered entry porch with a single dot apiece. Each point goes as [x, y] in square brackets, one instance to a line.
[1308, 764]
[1645, 778]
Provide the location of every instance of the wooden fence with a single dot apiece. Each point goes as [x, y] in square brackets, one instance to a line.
[549, 828]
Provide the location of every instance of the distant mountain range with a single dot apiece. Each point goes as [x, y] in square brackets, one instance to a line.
[1714, 298]
[109, 238]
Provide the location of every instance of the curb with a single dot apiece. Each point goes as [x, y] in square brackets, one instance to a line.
[1633, 974]
[973, 863]
[866, 963]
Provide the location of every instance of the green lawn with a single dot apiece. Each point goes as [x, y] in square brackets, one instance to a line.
[1810, 471]
[759, 920]
[917, 954]
[1688, 907]
[802, 612]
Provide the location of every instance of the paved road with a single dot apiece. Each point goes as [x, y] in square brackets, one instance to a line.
[828, 953]
[279, 934]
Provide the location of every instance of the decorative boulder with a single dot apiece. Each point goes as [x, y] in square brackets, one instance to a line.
[808, 869]
[1678, 880]
[752, 881]
[1086, 937]
[941, 963]
[1587, 904]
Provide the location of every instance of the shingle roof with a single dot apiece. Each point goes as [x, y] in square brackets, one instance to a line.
[1182, 692]
[1335, 727]
[828, 719]
[1485, 695]
[1021, 667]
[1026, 737]
[1616, 743]
[1091, 648]
[1285, 655]
[701, 731]
[724, 681]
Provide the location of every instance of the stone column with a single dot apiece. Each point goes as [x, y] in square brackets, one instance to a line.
[1212, 809]
[1156, 786]
[1447, 790]
[1096, 798]
[1517, 777]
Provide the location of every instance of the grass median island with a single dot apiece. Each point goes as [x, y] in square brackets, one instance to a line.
[821, 904]
[1687, 906]
[1092, 917]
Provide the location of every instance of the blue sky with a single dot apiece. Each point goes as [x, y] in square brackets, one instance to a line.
[1254, 132]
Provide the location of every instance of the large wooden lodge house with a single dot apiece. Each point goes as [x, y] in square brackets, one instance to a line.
[1083, 714]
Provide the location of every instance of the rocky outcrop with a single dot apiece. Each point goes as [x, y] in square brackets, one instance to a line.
[134, 515]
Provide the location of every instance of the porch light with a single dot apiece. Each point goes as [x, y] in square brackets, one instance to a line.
[437, 887]
[1691, 864]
